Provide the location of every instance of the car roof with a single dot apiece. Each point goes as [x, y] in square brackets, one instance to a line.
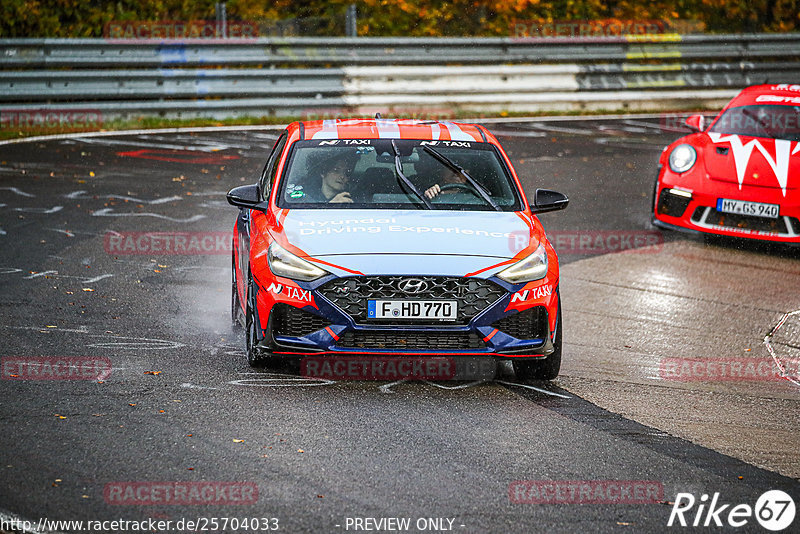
[393, 129]
[783, 93]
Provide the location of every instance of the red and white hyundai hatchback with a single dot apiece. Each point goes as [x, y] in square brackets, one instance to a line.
[395, 238]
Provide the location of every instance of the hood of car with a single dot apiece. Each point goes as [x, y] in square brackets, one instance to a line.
[754, 161]
[362, 239]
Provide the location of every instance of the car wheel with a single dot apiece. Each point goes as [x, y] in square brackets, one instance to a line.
[542, 368]
[655, 198]
[235, 306]
[256, 356]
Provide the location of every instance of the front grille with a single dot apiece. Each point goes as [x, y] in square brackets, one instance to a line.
[410, 340]
[351, 294]
[733, 220]
[527, 324]
[294, 322]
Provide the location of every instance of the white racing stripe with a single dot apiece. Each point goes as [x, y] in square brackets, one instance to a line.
[387, 129]
[329, 130]
[457, 134]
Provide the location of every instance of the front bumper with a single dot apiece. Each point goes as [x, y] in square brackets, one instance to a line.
[683, 207]
[493, 327]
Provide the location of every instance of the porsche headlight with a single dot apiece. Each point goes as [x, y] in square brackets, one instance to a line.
[682, 158]
[284, 263]
[534, 267]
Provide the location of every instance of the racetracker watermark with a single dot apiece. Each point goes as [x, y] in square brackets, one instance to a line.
[595, 241]
[727, 369]
[48, 119]
[194, 524]
[180, 493]
[675, 122]
[378, 368]
[585, 492]
[760, 122]
[177, 29]
[52, 368]
[168, 243]
[521, 29]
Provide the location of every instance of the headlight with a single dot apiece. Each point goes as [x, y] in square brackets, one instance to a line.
[534, 267]
[682, 158]
[284, 263]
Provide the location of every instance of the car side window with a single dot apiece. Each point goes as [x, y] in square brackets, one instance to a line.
[271, 168]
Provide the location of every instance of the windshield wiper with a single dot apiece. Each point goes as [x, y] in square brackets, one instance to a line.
[444, 160]
[399, 167]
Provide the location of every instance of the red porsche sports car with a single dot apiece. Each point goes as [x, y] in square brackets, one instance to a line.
[740, 176]
[393, 238]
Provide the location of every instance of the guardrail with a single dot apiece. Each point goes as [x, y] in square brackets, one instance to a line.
[325, 76]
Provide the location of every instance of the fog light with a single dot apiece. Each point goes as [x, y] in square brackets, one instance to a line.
[673, 202]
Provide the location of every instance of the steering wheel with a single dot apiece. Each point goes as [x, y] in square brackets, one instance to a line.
[461, 187]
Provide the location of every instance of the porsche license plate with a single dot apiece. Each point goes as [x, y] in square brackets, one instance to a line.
[412, 309]
[743, 207]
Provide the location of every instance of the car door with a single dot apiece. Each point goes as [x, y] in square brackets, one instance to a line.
[243, 221]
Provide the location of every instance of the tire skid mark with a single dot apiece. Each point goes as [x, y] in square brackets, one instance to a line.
[768, 344]
[123, 342]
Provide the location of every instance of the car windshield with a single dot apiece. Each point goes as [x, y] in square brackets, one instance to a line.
[774, 121]
[397, 174]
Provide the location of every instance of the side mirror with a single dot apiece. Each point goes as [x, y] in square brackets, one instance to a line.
[696, 123]
[246, 196]
[545, 200]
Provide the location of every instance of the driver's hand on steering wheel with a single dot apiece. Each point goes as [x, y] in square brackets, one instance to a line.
[432, 191]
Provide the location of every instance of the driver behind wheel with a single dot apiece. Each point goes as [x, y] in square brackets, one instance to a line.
[430, 170]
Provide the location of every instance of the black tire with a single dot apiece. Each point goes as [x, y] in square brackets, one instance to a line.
[653, 204]
[256, 356]
[235, 306]
[542, 368]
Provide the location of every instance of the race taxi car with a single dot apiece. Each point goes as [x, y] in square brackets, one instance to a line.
[395, 238]
[740, 176]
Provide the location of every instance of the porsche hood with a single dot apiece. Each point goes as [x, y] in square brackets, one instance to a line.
[753, 161]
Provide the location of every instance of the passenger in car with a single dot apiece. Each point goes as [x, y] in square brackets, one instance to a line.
[331, 182]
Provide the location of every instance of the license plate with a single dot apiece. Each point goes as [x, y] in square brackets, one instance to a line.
[743, 207]
[412, 309]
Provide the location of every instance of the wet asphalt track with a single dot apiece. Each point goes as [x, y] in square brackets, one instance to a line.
[181, 404]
